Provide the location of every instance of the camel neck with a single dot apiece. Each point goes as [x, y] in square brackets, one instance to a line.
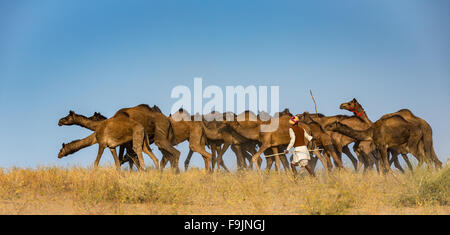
[86, 122]
[76, 145]
[365, 118]
[360, 135]
[361, 113]
[251, 133]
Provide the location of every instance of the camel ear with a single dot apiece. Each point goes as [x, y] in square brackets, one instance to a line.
[71, 112]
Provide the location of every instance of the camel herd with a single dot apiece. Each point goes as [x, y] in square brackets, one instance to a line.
[375, 143]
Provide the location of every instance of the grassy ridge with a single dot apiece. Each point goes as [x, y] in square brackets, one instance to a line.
[55, 190]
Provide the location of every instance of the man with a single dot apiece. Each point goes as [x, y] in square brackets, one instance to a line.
[301, 155]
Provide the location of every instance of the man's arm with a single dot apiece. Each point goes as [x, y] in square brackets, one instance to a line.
[307, 136]
[291, 143]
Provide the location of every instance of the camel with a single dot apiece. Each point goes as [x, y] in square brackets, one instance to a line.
[111, 133]
[185, 127]
[92, 123]
[251, 129]
[426, 140]
[323, 139]
[158, 126]
[385, 133]
[364, 149]
[212, 124]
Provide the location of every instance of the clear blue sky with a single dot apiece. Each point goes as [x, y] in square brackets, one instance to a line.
[86, 56]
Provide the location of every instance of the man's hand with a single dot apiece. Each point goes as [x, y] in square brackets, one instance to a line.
[286, 151]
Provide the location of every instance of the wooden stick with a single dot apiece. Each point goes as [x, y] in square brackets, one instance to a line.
[315, 105]
[271, 155]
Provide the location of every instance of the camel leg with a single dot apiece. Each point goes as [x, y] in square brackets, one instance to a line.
[405, 157]
[313, 162]
[323, 160]
[207, 157]
[188, 160]
[149, 152]
[121, 151]
[394, 160]
[285, 162]
[277, 159]
[269, 163]
[362, 158]
[101, 148]
[331, 151]
[240, 162]
[247, 156]
[164, 160]
[199, 147]
[384, 160]
[258, 155]
[214, 152]
[248, 152]
[220, 156]
[116, 158]
[163, 144]
[130, 162]
[347, 152]
[327, 158]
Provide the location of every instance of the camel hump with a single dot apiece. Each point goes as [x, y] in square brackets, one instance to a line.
[394, 116]
[122, 114]
[407, 111]
[155, 108]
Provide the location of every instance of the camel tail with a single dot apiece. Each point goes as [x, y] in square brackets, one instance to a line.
[171, 134]
[428, 146]
[146, 142]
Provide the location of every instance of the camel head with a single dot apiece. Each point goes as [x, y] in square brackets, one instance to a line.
[285, 112]
[351, 105]
[67, 120]
[62, 153]
[97, 117]
[354, 107]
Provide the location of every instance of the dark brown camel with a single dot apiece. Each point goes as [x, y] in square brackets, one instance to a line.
[92, 123]
[364, 149]
[385, 133]
[212, 124]
[276, 134]
[158, 126]
[111, 133]
[186, 128]
[323, 140]
[426, 140]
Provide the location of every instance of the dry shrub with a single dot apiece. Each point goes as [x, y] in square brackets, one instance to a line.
[195, 192]
[427, 187]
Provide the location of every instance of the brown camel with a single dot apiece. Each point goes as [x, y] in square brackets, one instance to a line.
[247, 127]
[158, 126]
[427, 133]
[186, 128]
[323, 140]
[364, 149]
[385, 133]
[92, 123]
[111, 133]
[212, 125]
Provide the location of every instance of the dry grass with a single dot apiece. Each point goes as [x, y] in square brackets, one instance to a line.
[55, 190]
